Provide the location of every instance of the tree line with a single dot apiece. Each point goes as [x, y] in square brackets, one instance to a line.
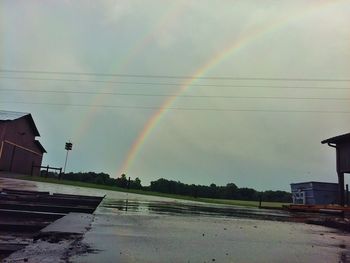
[229, 191]
[97, 178]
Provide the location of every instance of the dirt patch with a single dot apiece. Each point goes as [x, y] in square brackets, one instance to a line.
[52, 247]
[337, 223]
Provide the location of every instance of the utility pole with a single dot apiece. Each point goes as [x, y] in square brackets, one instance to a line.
[68, 147]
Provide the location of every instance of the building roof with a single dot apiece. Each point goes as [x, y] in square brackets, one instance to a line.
[11, 115]
[40, 146]
[338, 139]
[315, 182]
[14, 115]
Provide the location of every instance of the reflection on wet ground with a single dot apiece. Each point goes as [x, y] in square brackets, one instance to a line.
[17, 184]
[188, 209]
[148, 205]
[134, 204]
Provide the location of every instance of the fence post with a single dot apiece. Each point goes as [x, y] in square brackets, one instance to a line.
[260, 199]
[59, 176]
[47, 171]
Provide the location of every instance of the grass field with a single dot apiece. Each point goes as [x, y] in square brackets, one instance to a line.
[182, 197]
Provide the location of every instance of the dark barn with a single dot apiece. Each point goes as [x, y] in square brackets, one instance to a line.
[341, 144]
[19, 150]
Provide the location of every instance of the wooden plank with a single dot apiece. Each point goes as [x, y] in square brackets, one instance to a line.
[24, 192]
[80, 196]
[31, 214]
[45, 208]
[22, 227]
[325, 209]
[43, 204]
[50, 200]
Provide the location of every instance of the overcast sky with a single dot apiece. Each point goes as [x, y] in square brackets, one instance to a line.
[274, 143]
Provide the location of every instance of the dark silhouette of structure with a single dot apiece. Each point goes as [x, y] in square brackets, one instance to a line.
[20, 152]
[315, 193]
[342, 145]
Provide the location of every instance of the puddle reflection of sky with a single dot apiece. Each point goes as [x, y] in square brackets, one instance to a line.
[187, 209]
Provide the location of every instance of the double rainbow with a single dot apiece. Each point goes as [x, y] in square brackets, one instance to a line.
[233, 48]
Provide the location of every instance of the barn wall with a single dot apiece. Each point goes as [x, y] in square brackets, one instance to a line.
[5, 160]
[19, 151]
[23, 160]
[20, 132]
[3, 125]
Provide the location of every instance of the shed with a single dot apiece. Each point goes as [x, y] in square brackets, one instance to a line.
[342, 145]
[19, 150]
[314, 193]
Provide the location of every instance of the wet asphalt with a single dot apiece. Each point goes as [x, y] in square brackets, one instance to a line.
[138, 228]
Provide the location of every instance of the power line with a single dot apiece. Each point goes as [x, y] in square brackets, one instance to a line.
[173, 95]
[170, 76]
[175, 84]
[174, 108]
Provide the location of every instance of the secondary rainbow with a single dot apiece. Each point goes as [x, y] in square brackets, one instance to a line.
[167, 18]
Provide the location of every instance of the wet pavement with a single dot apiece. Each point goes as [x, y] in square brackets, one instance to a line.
[138, 228]
[204, 239]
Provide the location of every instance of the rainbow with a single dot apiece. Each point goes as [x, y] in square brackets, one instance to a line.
[217, 59]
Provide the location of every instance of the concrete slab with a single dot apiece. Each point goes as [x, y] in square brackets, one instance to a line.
[162, 238]
[73, 223]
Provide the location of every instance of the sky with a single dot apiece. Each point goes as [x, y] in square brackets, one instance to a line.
[195, 91]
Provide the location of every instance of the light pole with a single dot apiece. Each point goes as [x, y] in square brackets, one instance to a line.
[68, 147]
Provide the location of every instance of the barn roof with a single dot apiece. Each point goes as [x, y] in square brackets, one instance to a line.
[40, 146]
[338, 139]
[11, 115]
[14, 115]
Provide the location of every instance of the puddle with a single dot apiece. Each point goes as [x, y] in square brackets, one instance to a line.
[188, 209]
